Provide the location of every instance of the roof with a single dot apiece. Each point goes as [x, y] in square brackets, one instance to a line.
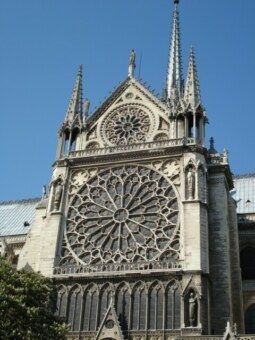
[244, 193]
[16, 217]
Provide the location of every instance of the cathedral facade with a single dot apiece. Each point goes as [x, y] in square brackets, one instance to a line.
[138, 227]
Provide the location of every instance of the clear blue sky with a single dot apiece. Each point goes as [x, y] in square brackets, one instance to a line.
[43, 42]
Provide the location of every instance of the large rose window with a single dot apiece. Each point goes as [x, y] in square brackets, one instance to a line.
[124, 214]
[127, 125]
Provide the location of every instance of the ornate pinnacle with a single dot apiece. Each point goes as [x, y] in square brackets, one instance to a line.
[132, 64]
[192, 91]
[76, 101]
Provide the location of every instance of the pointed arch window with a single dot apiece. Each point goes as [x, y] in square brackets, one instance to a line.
[73, 142]
[173, 307]
[62, 303]
[74, 309]
[90, 306]
[247, 258]
[105, 299]
[123, 306]
[156, 301]
[139, 308]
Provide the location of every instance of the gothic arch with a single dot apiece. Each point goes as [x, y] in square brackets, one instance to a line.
[74, 310]
[90, 308]
[156, 306]
[190, 180]
[161, 137]
[191, 298]
[92, 145]
[62, 298]
[123, 304]
[105, 296]
[139, 306]
[173, 305]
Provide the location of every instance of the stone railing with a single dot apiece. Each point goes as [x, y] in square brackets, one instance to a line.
[119, 267]
[218, 158]
[132, 147]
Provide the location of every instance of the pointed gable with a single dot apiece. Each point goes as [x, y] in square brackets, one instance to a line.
[133, 114]
[110, 327]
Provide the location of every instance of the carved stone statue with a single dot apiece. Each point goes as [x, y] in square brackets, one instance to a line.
[58, 195]
[190, 184]
[132, 65]
[192, 309]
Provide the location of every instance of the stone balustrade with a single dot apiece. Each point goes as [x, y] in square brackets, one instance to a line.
[133, 147]
[169, 265]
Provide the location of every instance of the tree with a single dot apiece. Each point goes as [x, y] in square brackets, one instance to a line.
[27, 302]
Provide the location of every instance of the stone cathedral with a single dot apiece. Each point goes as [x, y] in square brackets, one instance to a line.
[138, 227]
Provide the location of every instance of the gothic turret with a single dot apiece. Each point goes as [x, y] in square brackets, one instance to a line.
[75, 119]
[174, 82]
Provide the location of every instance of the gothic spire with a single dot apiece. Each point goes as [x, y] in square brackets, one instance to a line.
[76, 101]
[174, 82]
[192, 91]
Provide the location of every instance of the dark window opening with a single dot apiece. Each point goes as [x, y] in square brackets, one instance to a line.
[247, 258]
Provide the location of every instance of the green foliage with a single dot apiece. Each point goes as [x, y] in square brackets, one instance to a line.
[27, 301]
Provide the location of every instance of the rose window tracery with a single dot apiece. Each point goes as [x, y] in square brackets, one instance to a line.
[127, 125]
[123, 214]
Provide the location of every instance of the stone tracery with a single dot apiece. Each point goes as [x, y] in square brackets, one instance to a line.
[127, 125]
[124, 214]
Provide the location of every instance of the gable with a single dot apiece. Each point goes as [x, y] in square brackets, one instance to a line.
[132, 114]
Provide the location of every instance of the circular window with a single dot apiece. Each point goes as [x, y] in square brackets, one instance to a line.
[109, 324]
[124, 214]
[126, 125]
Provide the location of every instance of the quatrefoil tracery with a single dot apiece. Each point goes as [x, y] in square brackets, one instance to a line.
[124, 214]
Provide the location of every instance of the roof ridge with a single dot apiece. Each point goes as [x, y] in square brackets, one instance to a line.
[26, 200]
[247, 175]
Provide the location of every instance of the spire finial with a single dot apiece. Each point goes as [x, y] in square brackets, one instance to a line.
[132, 64]
[76, 101]
[174, 82]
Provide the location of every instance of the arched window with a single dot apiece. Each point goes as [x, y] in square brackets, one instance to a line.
[156, 298]
[248, 263]
[75, 309]
[173, 307]
[90, 305]
[66, 142]
[250, 320]
[105, 299]
[123, 305]
[139, 307]
[73, 143]
[62, 303]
